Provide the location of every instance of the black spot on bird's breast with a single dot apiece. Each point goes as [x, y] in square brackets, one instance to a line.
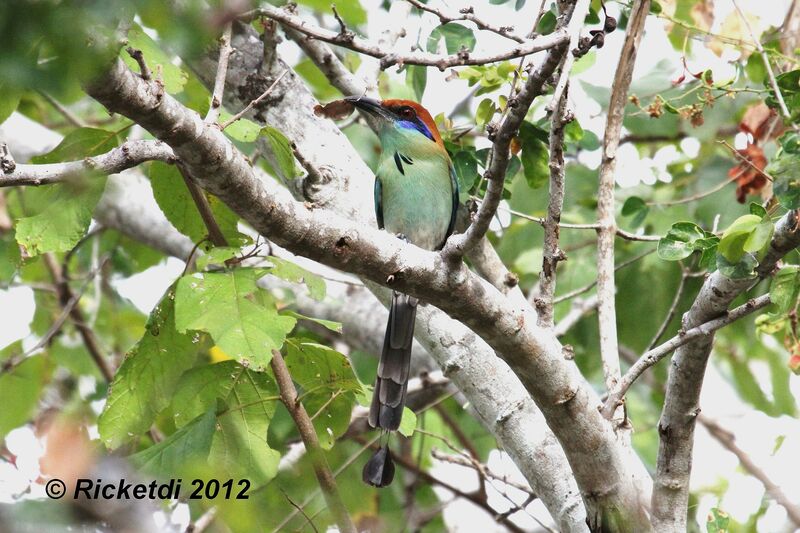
[399, 159]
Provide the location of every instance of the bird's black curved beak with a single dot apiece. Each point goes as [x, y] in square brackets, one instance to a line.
[369, 106]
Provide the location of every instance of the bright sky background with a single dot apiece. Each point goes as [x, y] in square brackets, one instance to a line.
[756, 433]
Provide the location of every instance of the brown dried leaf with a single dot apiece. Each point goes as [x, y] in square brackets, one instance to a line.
[336, 110]
[762, 123]
[749, 176]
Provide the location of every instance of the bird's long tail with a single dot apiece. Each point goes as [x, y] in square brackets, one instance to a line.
[391, 382]
[389, 396]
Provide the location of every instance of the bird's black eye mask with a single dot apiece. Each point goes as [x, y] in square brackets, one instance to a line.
[408, 119]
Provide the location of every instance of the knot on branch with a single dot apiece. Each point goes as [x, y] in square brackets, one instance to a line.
[7, 163]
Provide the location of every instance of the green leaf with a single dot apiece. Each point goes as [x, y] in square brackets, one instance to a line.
[408, 423]
[328, 387]
[786, 171]
[63, 214]
[245, 401]
[731, 245]
[286, 270]
[465, 164]
[417, 77]
[637, 208]
[681, 240]
[9, 256]
[485, 112]
[534, 156]
[159, 63]
[20, 389]
[78, 144]
[757, 210]
[243, 130]
[790, 142]
[759, 239]
[755, 68]
[455, 36]
[282, 150]
[10, 96]
[351, 11]
[784, 289]
[718, 521]
[547, 23]
[175, 201]
[144, 383]
[221, 304]
[173, 457]
[741, 269]
[336, 327]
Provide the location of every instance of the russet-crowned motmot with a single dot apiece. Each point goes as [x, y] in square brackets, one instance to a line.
[416, 198]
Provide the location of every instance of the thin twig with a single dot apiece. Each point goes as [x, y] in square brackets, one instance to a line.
[606, 286]
[138, 56]
[202, 523]
[744, 159]
[574, 28]
[65, 295]
[628, 236]
[66, 309]
[468, 13]
[309, 436]
[71, 117]
[587, 288]
[204, 208]
[770, 74]
[552, 254]
[301, 511]
[728, 441]
[579, 309]
[389, 57]
[225, 50]
[255, 102]
[673, 308]
[655, 355]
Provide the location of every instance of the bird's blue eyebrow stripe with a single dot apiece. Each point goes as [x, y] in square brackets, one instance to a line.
[416, 125]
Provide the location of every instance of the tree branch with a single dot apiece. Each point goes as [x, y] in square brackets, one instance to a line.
[567, 403]
[127, 155]
[458, 245]
[388, 57]
[728, 441]
[309, 435]
[651, 357]
[551, 253]
[225, 50]
[681, 406]
[468, 13]
[606, 287]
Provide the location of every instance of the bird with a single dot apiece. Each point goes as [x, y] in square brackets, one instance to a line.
[416, 199]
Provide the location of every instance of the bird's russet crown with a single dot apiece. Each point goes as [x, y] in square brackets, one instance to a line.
[422, 114]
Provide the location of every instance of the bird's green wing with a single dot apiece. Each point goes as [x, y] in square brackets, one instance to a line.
[378, 202]
[454, 184]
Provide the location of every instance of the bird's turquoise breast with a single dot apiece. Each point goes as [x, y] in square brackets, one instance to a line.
[416, 190]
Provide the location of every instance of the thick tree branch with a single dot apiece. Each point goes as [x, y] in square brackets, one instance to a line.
[681, 407]
[606, 287]
[309, 435]
[129, 154]
[651, 357]
[389, 57]
[567, 403]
